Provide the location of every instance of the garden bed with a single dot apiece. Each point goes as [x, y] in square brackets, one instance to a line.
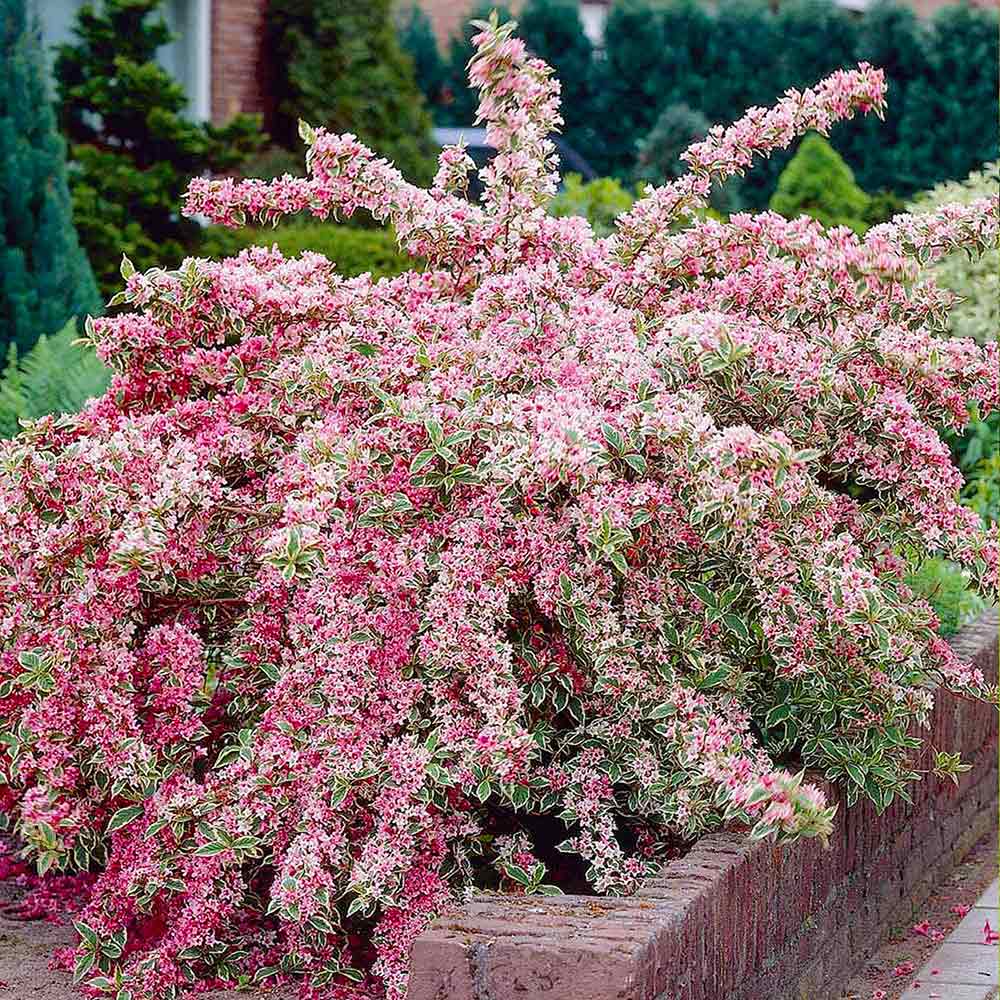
[732, 919]
[735, 919]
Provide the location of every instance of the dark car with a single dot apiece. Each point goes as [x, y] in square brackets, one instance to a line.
[570, 161]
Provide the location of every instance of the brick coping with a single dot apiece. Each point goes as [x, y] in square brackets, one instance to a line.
[733, 919]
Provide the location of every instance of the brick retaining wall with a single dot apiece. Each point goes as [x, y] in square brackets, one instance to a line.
[730, 921]
[734, 920]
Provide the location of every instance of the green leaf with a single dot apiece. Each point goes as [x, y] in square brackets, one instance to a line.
[736, 624]
[777, 715]
[702, 593]
[83, 965]
[422, 459]
[87, 933]
[123, 817]
[636, 462]
[716, 677]
[307, 133]
[613, 438]
[856, 774]
[322, 924]
[518, 874]
[210, 850]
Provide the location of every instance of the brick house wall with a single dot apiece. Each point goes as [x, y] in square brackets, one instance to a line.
[240, 72]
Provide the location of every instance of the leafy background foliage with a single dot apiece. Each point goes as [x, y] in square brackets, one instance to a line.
[45, 278]
[339, 63]
[941, 73]
[57, 375]
[133, 148]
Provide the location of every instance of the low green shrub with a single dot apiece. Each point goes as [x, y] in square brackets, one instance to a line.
[57, 375]
[946, 586]
[600, 201]
[354, 251]
[133, 144]
[819, 183]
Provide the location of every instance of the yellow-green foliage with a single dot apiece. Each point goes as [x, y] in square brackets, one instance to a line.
[354, 251]
[946, 587]
[600, 201]
[976, 281]
[819, 183]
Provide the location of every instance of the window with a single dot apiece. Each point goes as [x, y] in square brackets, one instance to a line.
[187, 58]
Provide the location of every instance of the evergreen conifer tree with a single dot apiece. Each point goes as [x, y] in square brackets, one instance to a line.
[819, 183]
[416, 36]
[949, 126]
[553, 31]
[892, 37]
[45, 278]
[134, 149]
[629, 94]
[740, 60]
[340, 65]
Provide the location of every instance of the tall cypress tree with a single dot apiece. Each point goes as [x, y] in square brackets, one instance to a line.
[629, 96]
[45, 278]
[134, 149]
[553, 31]
[416, 36]
[949, 124]
[741, 60]
[891, 37]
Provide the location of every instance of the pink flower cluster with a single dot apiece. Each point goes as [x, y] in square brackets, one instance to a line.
[338, 571]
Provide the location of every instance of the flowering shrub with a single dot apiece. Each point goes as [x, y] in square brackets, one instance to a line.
[338, 570]
[976, 281]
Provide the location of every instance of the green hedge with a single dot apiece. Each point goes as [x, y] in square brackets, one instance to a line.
[354, 251]
[721, 58]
